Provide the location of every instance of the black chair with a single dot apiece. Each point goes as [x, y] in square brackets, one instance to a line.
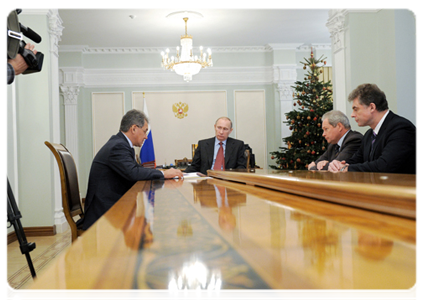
[71, 200]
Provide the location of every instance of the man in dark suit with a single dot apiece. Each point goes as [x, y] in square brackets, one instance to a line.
[343, 142]
[115, 170]
[207, 155]
[389, 146]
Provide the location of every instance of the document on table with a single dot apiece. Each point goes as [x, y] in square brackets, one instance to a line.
[194, 175]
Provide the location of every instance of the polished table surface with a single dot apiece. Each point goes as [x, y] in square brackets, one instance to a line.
[211, 233]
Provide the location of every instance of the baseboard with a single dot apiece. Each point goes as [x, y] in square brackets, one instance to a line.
[33, 231]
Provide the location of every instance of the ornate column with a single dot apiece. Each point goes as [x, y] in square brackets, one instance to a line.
[337, 29]
[55, 29]
[285, 77]
[70, 97]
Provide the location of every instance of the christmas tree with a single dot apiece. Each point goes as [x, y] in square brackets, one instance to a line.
[314, 99]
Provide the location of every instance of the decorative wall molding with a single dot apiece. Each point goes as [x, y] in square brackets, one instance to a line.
[71, 76]
[145, 50]
[70, 94]
[283, 46]
[95, 78]
[284, 72]
[55, 30]
[154, 50]
[307, 47]
[336, 25]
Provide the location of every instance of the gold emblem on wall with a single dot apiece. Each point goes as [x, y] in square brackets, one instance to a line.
[180, 110]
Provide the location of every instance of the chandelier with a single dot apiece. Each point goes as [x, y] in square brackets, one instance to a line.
[186, 63]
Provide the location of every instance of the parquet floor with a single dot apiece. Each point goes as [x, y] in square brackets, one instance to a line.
[47, 249]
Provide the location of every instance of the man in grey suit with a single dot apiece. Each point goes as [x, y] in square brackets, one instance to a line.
[115, 170]
[343, 142]
[206, 155]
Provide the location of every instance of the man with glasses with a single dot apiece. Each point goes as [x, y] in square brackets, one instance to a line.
[115, 170]
[220, 152]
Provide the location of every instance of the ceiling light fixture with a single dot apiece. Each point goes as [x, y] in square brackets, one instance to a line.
[186, 63]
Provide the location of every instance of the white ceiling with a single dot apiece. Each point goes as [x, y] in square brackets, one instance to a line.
[218, 27]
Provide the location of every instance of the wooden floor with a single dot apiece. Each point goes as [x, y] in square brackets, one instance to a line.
[47, 249]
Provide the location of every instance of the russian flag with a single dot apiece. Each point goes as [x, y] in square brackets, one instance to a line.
[147, 157]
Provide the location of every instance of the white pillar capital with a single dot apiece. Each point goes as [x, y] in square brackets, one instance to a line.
[70, 94]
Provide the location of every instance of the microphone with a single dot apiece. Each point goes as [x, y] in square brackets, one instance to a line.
[29, 33]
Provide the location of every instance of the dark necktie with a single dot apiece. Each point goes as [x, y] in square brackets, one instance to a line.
[336, 150]
[219, 163]
[373, 141]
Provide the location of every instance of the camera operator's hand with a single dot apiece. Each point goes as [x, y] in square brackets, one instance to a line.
[18, 63]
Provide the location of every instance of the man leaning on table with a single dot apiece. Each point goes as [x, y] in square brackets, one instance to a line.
[220, 152]
[343, 142]
[389, 146]
[115, 170]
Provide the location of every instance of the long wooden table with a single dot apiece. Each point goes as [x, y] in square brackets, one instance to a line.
[250, 230]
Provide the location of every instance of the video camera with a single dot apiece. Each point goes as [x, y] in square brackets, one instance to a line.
[15, 43]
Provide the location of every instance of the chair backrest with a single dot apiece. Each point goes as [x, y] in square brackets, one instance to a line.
[182, 163]
[247, 157]
[71, 200]
[193, 148]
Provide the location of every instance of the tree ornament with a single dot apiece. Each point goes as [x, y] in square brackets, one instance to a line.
[314, 98]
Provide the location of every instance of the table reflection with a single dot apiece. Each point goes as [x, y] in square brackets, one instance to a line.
[218, 196]
[211, 234]
[194, 275]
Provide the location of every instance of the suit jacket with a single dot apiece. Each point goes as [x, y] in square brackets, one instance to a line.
[113, 172]
[203, 156]
[394, 150]
[350, 145]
